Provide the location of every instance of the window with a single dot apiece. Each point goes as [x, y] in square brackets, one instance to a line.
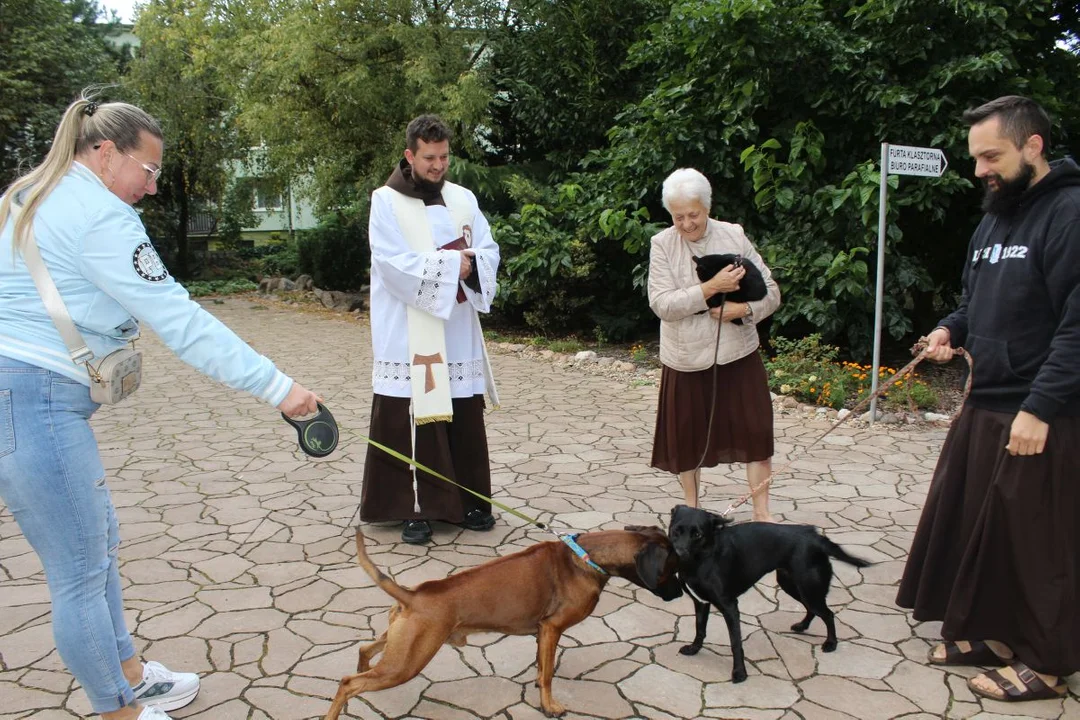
[267, 195]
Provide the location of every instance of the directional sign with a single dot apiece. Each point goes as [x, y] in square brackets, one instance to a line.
[927, 162]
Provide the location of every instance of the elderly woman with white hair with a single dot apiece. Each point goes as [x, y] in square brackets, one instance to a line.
[741, 428]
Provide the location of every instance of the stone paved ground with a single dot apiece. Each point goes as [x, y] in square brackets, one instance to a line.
[236, 563]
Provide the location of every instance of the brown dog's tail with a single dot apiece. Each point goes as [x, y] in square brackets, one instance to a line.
[839, 553]
[391, 588]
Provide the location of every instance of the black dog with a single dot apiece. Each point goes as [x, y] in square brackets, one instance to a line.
[718, 562]
[751, 287]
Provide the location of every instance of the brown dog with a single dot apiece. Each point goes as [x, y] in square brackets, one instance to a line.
[542, 591]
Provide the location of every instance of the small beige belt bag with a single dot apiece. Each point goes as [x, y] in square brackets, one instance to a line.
[113, 378]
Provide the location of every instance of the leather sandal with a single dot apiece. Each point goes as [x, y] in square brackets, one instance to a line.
[980, 654]
[1033, 686]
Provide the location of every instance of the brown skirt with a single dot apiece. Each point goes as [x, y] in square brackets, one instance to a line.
[455, 449]
[997, 552]
[742, 429]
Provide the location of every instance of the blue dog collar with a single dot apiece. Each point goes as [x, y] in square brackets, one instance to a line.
[571, 542]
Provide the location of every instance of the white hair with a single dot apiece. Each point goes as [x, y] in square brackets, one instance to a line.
[685, 185]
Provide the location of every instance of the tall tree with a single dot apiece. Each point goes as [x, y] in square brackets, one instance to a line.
[177, 77]
[558, 69]
[329, 86]
[49, 51]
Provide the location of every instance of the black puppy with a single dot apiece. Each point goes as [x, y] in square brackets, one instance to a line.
[751, 287]
[718, 562]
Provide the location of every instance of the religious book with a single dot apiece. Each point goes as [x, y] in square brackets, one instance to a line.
[473, 279]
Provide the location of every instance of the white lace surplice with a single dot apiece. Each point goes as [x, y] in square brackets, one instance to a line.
[427, 281]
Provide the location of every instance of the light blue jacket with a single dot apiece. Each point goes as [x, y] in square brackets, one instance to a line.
[111, 279]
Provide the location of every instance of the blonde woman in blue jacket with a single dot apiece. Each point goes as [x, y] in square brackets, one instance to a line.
[78, 204]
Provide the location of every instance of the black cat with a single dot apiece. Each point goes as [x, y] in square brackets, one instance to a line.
[751, 287]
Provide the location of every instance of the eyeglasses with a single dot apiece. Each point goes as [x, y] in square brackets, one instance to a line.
[152, 174]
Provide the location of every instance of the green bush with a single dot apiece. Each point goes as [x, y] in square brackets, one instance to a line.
[279, 260]
[202, 288]
[336, 254]
[572, 263]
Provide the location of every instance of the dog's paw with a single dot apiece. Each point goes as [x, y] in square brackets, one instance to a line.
[800, 627]
[689, 649]
[737, 676]
[554, 709]
[828, 646]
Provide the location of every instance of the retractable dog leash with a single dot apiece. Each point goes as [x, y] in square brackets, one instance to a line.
[317, 436]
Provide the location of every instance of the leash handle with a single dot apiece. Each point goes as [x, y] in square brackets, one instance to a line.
[318, 436]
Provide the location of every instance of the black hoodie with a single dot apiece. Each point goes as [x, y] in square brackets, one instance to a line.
[1019, 316]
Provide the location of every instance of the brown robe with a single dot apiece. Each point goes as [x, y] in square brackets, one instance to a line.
[997, 552]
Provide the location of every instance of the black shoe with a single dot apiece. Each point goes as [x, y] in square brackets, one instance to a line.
[416, 532]
[477, 519]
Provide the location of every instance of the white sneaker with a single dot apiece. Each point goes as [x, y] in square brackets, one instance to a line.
[152, 713]
[164, 690]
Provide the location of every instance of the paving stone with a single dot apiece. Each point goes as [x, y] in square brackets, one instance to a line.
[486, 696]
[848, 697]
[755, 692]
[662, 688]
[854, 660]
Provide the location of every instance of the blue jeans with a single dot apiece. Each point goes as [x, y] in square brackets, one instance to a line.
[53, 482]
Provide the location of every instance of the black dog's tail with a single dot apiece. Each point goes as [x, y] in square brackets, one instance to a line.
[838, 552]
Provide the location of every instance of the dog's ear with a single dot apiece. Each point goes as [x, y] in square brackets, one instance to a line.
[719, 521]
[649, 562]
[695, 260]
[656, 570]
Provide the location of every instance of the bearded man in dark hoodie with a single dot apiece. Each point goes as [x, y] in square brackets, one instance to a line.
[996, 556]
[433, 265]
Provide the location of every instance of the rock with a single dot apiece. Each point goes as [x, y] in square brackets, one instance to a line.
[790, 402]
[547, 354]
[773, 396]
[625, 366]
[516, 347]
[340, 301]
[843, 413]
[585, 356]
[605, 361]
[271, 285]
[936, 417]
[866, 416]
[821, 411]
[889, 419]
[304, 283]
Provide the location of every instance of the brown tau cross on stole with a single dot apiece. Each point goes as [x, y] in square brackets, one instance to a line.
[427, 361]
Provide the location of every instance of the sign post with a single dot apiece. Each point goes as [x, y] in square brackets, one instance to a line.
[895, 160]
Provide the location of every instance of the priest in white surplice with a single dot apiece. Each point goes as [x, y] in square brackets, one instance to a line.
[433, 265]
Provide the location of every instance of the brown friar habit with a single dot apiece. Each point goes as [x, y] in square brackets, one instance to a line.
[455, 449]
[997, 552]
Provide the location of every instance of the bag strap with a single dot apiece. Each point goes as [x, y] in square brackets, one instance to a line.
[54, 304]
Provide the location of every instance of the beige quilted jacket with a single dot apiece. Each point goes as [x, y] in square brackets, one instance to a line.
[687, 340]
